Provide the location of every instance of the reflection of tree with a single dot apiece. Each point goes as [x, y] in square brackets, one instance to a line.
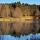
[34, 21]
[34, 13]
[34, 26]
[39, 24]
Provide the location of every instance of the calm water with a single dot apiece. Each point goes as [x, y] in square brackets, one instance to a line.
[27, 37]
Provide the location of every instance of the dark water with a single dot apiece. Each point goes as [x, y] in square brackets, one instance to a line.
[25, 37]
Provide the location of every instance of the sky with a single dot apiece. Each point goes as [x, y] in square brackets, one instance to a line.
[22, 1]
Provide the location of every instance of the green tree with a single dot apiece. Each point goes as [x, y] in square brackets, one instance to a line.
[26, 4]
[23, 4]
[18, 3]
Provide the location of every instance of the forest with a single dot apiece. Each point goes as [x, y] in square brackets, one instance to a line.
[27, 19]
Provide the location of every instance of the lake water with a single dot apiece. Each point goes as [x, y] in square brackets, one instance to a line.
[25, 37]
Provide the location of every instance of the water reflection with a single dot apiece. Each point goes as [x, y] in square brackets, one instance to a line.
[25, 37]
[26, 26]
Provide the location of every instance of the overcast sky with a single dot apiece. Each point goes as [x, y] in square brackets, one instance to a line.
[22, 1]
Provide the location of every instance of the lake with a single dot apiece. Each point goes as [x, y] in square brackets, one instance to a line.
[25, 37]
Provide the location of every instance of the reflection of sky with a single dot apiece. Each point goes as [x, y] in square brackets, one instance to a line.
[25, 1]
[8, 37]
